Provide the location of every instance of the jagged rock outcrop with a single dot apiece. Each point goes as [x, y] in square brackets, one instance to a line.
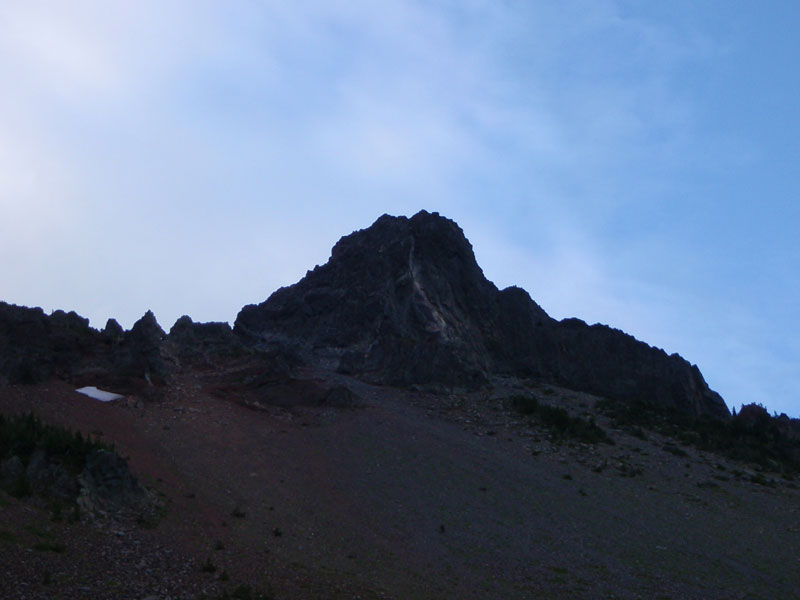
[203, 344]
[35, 346]
[107, 483]
[404, 302]
[138, 354]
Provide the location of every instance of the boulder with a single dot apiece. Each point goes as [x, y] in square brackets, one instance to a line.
[107, 483]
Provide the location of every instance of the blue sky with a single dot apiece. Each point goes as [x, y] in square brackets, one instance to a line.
[629, 163]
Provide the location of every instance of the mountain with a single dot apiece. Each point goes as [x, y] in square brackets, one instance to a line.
[401, 303]
[404, 302]
[391, 426]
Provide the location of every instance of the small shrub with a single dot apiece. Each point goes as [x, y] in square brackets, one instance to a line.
[626, 470]
[75, 515]
[759, 479]
[707, 485]
[21, 487]
[7, 536]
[243, 592]
[57, 512]
[38, 532]
[637, 432]
[208, 566]
[50, 547]
[673, 449]
[559, 422]
[525, 405]
[22, 435]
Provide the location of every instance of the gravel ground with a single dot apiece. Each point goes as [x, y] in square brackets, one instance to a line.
[410, 495]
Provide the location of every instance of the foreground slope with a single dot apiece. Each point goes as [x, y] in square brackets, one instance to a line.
[415, 495]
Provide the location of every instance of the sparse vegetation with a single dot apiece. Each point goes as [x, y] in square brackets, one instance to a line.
[50, 547]
[752, 436]
[673, 449]
[241, 592]
[7, 536]
[627, 470]
[56, 514]
[21, 488]
[22, 435]
[38, 532]
[208, 566]
[559, 422]
[758, 478]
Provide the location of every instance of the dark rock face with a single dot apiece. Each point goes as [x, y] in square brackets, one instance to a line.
[404, 302]
[139, 352]
[109, 483]
[50, 479]
[401, 302]
[113, 330]
[203, 344]
[35, 346]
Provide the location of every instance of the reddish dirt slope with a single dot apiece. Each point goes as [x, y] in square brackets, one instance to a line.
[413, 496]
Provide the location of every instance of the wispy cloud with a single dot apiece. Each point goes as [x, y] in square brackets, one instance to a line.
[245, 119]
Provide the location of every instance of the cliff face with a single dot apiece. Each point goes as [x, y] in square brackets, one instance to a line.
[404, 302]
[400, 302]
[35, 346]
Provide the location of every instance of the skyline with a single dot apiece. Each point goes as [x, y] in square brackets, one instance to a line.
[625, 164]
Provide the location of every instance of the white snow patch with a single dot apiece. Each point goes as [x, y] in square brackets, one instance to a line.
[101, 395]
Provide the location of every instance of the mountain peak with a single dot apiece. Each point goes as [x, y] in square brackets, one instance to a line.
[400, 287]
[404, 302]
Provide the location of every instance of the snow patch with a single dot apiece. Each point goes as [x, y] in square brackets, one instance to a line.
[100, 395]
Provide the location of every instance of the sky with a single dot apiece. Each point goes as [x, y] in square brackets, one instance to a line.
[630, 163]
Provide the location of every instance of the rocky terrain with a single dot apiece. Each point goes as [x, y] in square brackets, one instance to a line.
[404, 302]
[391, 426]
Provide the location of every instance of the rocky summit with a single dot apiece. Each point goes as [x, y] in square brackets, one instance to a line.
[404, 302]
